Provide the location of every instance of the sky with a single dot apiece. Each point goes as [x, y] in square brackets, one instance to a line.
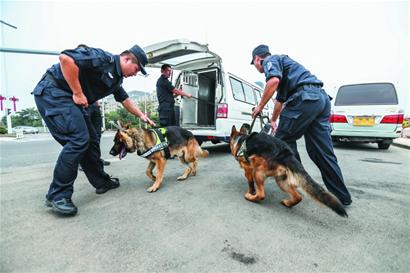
[340, 42]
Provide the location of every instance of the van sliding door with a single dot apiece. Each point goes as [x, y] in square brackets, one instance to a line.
[206, 96]
[189, 110]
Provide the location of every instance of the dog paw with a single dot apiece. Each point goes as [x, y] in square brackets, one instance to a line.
[249, 197]
[152, 189]
[181, 178]
[286, 203]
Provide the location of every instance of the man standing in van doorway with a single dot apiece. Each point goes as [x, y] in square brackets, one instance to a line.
[166, 93]
[304, 109]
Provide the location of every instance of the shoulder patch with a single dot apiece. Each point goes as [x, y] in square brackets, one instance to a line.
[269, 65]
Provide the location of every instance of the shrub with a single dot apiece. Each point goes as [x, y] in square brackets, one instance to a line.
[3, 130]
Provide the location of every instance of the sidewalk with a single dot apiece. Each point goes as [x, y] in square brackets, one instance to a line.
[399, 142]
[42, 136]
[402, 142]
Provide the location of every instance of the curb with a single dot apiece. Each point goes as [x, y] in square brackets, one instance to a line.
[401, 145]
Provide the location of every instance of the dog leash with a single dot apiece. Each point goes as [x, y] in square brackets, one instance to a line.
[264, 126]
[198, 99]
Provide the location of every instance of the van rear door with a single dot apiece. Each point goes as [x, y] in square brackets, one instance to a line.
[200, 76]
[180, 54]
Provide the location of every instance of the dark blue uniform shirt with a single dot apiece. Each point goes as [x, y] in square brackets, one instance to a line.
[99, 73]
[164, 88]
[292, 75]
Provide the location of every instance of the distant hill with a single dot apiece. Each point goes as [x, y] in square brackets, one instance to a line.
[135, 95]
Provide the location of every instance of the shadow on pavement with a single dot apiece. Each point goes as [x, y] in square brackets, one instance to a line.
[356, 146]
[222, 148]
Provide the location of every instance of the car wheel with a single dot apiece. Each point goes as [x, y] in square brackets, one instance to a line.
[383, 145]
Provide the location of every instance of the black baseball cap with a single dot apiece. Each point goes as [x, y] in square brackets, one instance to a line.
[259, 50]
[141, 57]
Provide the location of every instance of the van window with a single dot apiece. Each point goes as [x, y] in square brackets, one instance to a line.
[249, 97]
[237, 89]
[271, 104]
[259, 97]
[367, 94]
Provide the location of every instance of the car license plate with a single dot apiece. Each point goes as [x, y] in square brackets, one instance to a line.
[363, 121]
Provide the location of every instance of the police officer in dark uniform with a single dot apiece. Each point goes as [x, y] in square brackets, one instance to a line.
[83, 76]
[165, 94]
[94, 112]
[304, 109]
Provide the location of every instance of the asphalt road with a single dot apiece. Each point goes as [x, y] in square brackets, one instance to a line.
[203, 224]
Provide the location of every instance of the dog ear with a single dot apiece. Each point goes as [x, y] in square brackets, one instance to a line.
[126, 139]
[234, 132]
[245, 128]
[119, 123]
[127, 125]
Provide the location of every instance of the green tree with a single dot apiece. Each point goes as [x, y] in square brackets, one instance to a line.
[150, 108]
[30, 117]
[124, 116]
[25, 117]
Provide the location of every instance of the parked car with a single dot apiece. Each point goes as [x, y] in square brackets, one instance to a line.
[25, 129]
[222, 99]
[368, 113]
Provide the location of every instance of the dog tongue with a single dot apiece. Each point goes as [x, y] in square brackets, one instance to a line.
[122, 153]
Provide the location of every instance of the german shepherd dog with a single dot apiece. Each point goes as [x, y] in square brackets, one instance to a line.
[262, 155]
[181, 143]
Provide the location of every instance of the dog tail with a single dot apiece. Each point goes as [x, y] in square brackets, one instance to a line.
[318, 193]
[201, 153]
[198, 151]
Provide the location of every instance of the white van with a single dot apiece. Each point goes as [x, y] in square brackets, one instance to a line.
[223, 99]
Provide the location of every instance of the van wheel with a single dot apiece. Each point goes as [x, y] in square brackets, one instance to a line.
[383, 145]
[199, 142]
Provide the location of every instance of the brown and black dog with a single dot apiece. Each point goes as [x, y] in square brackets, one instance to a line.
[181, 143]
[262, 156]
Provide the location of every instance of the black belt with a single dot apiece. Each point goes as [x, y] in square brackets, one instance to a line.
[303, 86]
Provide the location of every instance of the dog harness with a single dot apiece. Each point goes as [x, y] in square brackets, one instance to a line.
[161, 143]
[243, 151]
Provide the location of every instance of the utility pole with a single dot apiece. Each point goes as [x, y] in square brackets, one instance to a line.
[103, 113]
[19, 51]
[145, 109]
[7, 111]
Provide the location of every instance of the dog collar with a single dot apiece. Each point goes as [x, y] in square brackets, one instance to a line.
[242, 151]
